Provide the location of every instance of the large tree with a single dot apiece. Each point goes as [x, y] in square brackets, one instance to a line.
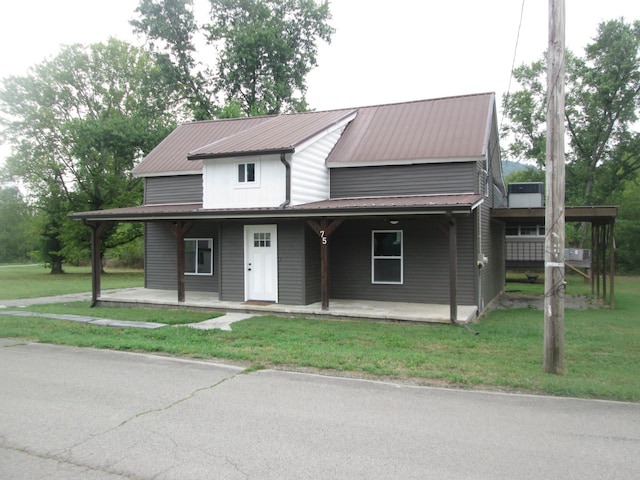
[265, 50]
[602, 104]
[77, 124]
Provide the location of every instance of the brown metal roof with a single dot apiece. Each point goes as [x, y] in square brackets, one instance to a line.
[170, 156]
[282, 133]
[448, 201]
[443, 128]
[362, 206]
[453, 128]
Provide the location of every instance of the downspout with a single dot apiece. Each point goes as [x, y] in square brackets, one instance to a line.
[287, 166]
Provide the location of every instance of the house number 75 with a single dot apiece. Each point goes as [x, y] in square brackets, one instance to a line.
[323, 239]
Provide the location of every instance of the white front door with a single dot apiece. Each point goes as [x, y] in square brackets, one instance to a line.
[261, 262]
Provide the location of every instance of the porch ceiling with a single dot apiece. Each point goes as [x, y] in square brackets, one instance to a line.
[595, 214]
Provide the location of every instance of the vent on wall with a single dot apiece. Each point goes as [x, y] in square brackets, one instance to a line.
[526, 195]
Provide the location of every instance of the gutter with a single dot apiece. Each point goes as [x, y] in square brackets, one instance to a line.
[287, 166]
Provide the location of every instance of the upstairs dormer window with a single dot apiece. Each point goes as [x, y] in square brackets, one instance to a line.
[248, 174]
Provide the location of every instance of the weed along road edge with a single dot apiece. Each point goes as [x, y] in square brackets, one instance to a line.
[82, 413]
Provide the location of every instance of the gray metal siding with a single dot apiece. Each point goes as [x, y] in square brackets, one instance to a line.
[232, 262]
[312, 266]
[422, 179]
[426, 262]
[491, 238]
[291, 288]
[177, 189]
[497, 265]
[161, 270]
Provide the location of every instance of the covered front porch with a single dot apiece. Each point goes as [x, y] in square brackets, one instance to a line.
[304, 234]
[339, 308]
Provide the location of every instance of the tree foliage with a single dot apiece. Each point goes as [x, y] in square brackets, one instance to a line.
[16, 236]
[529, 174]
[171, 32]
[265, 50]
[602, 101]
[628, 228]
[77, 125]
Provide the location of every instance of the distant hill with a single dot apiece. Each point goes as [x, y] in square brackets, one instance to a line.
[510, 167]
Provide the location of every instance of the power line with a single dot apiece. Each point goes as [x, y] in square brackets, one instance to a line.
[513, 62]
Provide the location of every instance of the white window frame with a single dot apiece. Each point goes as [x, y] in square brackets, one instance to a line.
[196, 240]
[256, 174]
[399, 258]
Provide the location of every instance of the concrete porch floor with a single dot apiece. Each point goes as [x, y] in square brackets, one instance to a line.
[357, 309]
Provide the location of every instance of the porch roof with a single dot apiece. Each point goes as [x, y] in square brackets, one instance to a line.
[460, 203]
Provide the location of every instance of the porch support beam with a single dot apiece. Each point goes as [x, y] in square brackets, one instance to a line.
[180, 230]
[324, 229]
[612, 265]
[97, 229]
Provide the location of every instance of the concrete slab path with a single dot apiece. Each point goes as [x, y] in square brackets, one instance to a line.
[223, 323]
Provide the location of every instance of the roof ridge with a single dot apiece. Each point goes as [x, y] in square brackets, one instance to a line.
[450, 97]
[310, 112]
[274, 115]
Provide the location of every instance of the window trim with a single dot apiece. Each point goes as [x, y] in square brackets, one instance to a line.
[256, 174]
[211, 264]
[399, 258]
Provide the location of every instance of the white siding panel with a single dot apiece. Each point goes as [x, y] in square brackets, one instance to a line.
[221, 188]
[309, 174]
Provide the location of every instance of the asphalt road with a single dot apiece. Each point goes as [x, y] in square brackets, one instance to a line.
[70, 413]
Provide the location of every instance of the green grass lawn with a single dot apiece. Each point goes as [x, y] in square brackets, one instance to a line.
[35, 281]
[602, 349]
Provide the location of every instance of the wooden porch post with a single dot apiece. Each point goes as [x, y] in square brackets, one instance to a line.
[179, 230]
[97, 229]
[604, 263]
[593, 258]
[596, 260]
[612, 264]
[324, 229]
[453, 269]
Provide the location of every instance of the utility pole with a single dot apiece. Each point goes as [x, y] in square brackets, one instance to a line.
[554, 280]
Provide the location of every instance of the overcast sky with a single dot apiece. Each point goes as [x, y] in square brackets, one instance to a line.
[383, 50]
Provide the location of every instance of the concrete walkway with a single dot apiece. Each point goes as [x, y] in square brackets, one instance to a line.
[82, 319]
[223, 322]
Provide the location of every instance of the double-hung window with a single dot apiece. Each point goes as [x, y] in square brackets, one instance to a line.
[248, 174]
[198, 256]
[386, 256]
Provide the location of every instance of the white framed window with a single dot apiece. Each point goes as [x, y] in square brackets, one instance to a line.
[248, 174]
[262, 239]
[387, 265]
[198, 256]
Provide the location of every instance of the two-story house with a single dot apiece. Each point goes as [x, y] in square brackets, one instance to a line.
[388, 202]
